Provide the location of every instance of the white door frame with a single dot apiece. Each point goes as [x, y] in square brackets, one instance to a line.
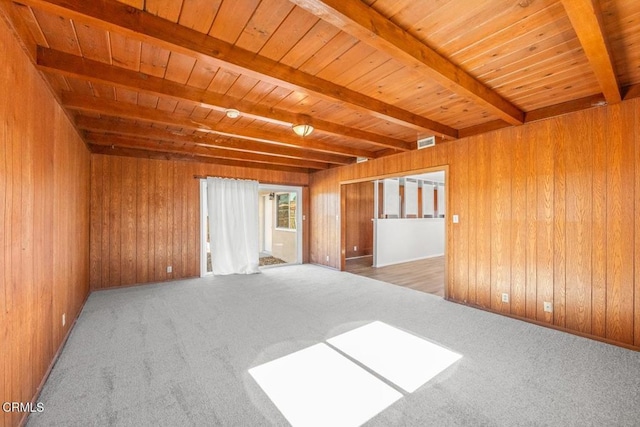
[290, 189]
[268, 224]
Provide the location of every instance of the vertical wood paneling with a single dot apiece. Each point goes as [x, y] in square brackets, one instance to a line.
[152, 211]
[151, 241]
[306, 221]
[636, 144]
[482, 187]
[365, 206]
[26, 264]
[19, 378]
[559, 224]
[501, 221]
[459, 181]
[115, 220]
[473, 221]
[142, 219]
[5, 387]
[359, 202]
[620, 223]
[38, 275]
[343, 226]
[555, 218]
[579, 193]
[185, 236]
[96, 221]
[170, 229]
[159, 205]
[442, 155]
[334, 238]
[45, 298]
[544, 231]
[599, 229]
[105, 259]
[531, 228]
[44, 232]
[518, 297]
[42, 279]
[128, 224]
[193, 226]
[176, 250]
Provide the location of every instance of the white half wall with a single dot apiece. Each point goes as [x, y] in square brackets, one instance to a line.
[402, 240]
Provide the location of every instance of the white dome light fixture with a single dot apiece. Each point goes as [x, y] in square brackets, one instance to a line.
[232, 113]
[302, 129]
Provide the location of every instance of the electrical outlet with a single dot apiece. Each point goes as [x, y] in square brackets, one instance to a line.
[169, 269]
[456, 219]
[355, 248]
[64, 319]
[547, 307]
[327, 258]
[505, 297]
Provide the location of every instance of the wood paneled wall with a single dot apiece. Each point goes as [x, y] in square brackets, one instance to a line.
[145, 216]
[549, 211]
[359, 204]
[44, 226]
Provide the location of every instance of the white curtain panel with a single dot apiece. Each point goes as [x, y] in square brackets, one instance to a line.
[233, 225]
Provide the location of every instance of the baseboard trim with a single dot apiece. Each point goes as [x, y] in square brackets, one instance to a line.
[135, 285]
[409, 260]
[325, 266]
[34, 400]
[551, 326]
[359, 257]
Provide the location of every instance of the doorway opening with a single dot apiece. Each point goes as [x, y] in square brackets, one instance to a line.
[280, 226]
[394, 229]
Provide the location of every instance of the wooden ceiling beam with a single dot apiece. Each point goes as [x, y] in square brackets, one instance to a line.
[178, 148]
[162, 155]
[204, 140]
[114, 16]
[66, 64]
[586, 20]
[483, 128]
[366, 24]
[592, 101]
[566, 108]
[151, 115]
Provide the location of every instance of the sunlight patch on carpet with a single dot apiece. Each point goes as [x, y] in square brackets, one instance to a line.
[317, 386]
[402, 358]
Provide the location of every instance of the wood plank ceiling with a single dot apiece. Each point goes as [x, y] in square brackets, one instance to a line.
[153, 78]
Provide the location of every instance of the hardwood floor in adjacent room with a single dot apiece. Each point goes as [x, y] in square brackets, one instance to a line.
[426, 275]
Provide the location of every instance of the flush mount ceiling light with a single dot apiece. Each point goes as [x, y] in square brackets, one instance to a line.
[232, 113]
[302, 130]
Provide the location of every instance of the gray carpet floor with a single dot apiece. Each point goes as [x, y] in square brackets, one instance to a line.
[177, 354]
